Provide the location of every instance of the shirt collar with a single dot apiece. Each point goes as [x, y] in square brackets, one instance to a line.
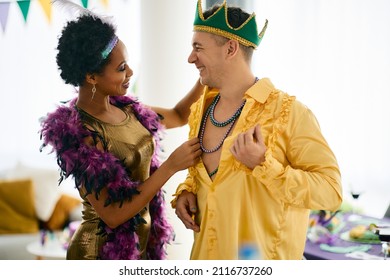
[259, 91]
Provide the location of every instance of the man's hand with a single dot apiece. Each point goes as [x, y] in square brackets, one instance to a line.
[186, 209]
[249, 147]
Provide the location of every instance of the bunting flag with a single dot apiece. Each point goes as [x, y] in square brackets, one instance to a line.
[24, 6]
[85, 3]
[105, 3]
[46, 6]
[4, 8]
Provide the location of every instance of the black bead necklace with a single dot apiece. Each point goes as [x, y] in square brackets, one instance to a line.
[224, 123]
[230, 121]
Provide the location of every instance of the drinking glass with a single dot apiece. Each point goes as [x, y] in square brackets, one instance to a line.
[356, 191]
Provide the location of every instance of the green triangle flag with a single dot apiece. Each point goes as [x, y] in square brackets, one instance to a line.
[85, 3]
[24, 7]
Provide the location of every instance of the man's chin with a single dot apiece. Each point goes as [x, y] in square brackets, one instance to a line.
[203, 81]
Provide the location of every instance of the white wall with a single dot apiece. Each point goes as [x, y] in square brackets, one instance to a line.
[166, 76]
[332, 54]
[29, 79]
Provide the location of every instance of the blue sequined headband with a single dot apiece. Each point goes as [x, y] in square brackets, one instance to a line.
[110, 46]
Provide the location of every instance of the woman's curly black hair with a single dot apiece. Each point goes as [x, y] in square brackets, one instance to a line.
[80, 48]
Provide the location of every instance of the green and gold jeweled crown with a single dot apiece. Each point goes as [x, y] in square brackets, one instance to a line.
[218, 24]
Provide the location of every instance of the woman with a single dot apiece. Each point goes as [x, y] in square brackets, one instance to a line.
[109, 143]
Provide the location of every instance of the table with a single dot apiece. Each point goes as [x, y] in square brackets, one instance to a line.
[51, 249]
[314, 252]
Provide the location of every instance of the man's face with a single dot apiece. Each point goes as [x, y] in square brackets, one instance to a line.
[208, 57]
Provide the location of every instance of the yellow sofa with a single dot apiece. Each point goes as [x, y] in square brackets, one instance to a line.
[32, 201]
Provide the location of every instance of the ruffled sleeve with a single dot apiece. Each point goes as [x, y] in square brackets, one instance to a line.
[300, 168]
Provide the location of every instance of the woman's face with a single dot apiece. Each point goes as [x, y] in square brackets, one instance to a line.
[115, 78]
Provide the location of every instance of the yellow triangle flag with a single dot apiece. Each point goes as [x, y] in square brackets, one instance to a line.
[46, 6]
[105, 3]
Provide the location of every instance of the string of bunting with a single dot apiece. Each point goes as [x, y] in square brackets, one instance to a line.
[24, 6]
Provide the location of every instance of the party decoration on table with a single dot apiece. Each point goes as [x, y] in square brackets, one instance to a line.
[383, 233]
[330, 220]
[320, 235]
[323, 226]
[361, 234]
[360, 255]
[345, 250]
[68, 233]
[378, 227]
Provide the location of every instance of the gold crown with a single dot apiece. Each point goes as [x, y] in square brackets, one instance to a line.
[218, 24]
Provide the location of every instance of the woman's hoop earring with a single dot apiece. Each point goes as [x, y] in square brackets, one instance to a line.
[93, 91]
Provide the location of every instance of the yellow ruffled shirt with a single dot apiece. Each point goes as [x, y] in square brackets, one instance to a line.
[265, 209]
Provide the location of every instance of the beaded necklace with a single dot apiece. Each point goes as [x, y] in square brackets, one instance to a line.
[231, 121]
[224, 123]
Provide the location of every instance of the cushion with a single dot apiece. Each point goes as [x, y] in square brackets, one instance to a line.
[17, 209]
[60, 216]
[47, 192]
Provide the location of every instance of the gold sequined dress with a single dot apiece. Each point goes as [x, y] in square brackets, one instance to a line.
[131, 142]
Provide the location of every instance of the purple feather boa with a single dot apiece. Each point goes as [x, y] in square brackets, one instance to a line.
[95, 169]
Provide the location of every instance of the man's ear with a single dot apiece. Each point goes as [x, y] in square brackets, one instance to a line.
[232, 47]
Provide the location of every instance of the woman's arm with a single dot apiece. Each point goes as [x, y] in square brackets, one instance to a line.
[113, 215]
[178, 115]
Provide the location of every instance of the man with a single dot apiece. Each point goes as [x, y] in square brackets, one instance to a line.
[265, 163]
